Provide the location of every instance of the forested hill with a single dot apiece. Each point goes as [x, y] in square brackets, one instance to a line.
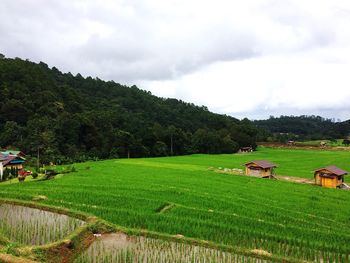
[71, 118]
[301, 128]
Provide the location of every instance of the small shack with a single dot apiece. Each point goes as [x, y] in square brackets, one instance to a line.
[330, 176]
[245, 150]
[323, 144]
[260, 168]
[291, 143]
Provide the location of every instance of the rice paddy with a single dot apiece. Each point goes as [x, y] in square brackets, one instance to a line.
[121, 248]
[181, 196]
[29, 226]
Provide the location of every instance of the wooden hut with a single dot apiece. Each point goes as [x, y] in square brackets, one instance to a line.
[260, 168]
[323, 144]
[330, 176]
[291, 143]
[245, 150]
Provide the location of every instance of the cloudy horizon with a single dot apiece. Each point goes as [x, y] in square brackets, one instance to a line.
[245, 59]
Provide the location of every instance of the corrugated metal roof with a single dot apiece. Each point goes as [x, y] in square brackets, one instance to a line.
[2, 157]
[263, 164]
[13, 152]
[333, 169]
[9, 159]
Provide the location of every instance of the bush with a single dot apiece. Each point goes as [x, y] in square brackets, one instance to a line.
[50, 174]
[35, 175]
[68, 169]
[21, 178]
[346, 142]
[13, 172]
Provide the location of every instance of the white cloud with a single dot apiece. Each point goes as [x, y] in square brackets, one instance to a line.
[246, 58]
[265, 85]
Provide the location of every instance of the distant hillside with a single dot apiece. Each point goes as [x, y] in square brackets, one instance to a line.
[285, 128]
[70, 118]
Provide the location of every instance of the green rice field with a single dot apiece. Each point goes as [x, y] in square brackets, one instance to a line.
[181, 196]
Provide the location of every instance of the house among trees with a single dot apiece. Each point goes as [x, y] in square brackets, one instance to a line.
[245, 150]
[11, 160]
[260, 168]
[330, 176]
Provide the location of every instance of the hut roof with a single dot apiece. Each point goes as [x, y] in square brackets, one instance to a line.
[262, 163]
[334, 170]
[13, 152]
[2, 157]
[9, 159]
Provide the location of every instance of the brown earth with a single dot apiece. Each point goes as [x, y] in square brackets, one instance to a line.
[303, 146]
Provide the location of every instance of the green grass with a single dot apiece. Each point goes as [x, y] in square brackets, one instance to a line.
[28, 179]
[335, 143]
[283, 218]
[291, 162]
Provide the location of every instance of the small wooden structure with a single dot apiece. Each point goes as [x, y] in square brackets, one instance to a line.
[330, 176]
[291, 143]
[260, 168]
[245, 150]
[323, 144]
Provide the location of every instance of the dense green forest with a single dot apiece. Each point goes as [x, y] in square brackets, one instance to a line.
[285, 128]
[65, 118]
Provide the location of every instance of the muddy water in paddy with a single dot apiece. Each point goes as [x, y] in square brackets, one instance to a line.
[115, 248]
[29, 226]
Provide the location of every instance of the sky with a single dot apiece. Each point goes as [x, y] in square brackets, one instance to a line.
[252, 58]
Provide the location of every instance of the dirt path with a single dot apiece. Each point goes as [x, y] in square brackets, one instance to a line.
[278, 177]
[295, 179]
[304, 147]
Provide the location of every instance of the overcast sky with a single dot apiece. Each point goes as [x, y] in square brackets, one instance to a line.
[251, 58]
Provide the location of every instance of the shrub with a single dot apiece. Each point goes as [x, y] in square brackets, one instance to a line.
[13, 172]
[21, 178]
[35, 175]
[50, 174]
[346, 142]
[12, 249]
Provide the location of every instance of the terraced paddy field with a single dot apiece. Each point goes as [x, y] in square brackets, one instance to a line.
[121, 248]
[30, 226]
[179, 197]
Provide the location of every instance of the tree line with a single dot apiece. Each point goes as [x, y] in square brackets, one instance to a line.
[64, 118]
[284, 128]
